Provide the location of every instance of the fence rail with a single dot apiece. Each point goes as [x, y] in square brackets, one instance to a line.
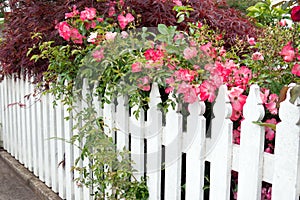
[28, 124]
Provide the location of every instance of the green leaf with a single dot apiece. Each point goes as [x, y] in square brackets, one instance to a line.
[163, 29]
[180, 19]
[272, 126]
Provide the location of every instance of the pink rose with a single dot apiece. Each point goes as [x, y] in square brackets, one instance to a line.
[136, 67]
[288, 52]
[190, 52]
[296, 69]
[110, 35]
[73, 13]
[76, 36]
[257, 56]
[64, 30]
[237, 98]
[124, 20]
[251, 41]
[144, 83]
[88, 13]
[177, 2]
[111, 11]
[98, 55]
[207, 91]
[100, 19]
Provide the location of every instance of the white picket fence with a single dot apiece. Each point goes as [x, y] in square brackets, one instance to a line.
[27, 126]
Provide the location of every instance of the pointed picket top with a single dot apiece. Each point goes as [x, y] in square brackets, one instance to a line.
[196, 111]
[253, 109]
[154, 96]
[222, 108]
[197, 108]
[289, 112]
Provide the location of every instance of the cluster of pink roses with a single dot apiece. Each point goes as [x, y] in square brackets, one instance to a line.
[291, 54]
[88, 17]
[189, 81]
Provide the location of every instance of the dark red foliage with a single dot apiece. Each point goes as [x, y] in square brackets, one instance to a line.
[217, 14]
[31, 16]
[26, 18]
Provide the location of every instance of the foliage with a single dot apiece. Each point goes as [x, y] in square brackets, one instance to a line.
[29, 17]
[108, 171]
[265, 14]
[241, 5]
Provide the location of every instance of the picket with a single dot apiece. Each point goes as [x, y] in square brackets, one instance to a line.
[286, 175]
[153, 134]
[60, 123]
[18, 121]
[221, 142]
[29, 90]
[69, 155]
[4, 114]
[194, 149]
[173, 151]
[41, 125]
[252, 147]
[22, 124]
[28, 124]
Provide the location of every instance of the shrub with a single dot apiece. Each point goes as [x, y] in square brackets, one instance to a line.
[29, 17]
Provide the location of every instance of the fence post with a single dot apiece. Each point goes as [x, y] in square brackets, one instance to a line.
[251, 147]
[286, 177]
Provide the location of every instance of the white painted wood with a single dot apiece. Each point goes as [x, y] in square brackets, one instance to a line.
[221, 147]
[122, 124]
[13, 119]
[109, 120]
[2, 116]
[35, 135]
[9, 114]
[286, 179]
[61, 165]
[137, 133]
[251, 147]
[22, 119]
[154, 145]
[86, 102]
[28, 113]
[30, 101]
[78, 190]
[69, 156]
[194, 147]
[41, 126]
[53, 145]
[173, 142]
[18, 121]
[3, 111]
[26, 133]
[109, 129]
